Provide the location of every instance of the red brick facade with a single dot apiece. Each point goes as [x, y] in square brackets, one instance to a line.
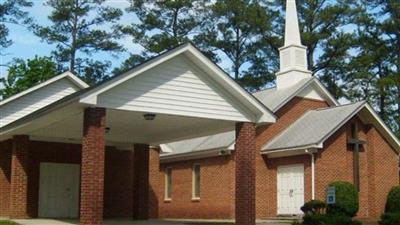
[218, 184]
[336, 152]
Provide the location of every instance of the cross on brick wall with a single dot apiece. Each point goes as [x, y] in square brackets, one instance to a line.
[356, 143]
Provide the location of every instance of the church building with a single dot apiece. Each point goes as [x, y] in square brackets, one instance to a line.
[177, 138]
[314, 142]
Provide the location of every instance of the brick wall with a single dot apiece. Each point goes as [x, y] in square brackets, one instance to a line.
[378, 167]
[216, 189]
[118, 183]
[266, 177]
[5, 177]
[383, 173]
[216, 201]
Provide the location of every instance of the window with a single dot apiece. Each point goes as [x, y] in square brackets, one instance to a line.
[196, 182]
[168, 184]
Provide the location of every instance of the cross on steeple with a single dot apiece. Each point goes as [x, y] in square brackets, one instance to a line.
[356, 143]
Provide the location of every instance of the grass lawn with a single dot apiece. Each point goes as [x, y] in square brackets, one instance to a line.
[4, 222]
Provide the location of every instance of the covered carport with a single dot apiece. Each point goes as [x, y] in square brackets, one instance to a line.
[177, 95]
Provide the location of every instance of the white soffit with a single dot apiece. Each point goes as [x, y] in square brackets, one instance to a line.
[181, 82]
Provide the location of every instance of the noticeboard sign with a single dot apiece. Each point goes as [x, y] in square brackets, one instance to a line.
[331, 195]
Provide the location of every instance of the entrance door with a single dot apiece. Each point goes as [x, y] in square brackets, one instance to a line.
[290, 189]
[59, 190]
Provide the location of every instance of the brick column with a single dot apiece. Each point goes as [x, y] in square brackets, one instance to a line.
[19, 177]
[92, 168]
[154, 181]
[245, 158]
[141, 182]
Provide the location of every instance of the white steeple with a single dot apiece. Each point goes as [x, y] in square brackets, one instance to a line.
[293, 55]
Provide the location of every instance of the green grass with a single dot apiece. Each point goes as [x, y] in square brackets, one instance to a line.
[4, 222]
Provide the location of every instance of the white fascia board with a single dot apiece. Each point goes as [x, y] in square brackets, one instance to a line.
[78, 82]
[311, 146]
[262, 114]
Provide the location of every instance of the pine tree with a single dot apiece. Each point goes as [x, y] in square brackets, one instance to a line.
[76, 31]
[11, 12]
[162, 25]
[236, 28]
[25, 74]
[374, 72]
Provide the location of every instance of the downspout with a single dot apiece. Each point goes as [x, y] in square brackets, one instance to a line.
[311, 153]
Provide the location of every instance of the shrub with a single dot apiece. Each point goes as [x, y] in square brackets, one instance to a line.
[346, 199]
[390, 219]
[393, 201]
[314, 206]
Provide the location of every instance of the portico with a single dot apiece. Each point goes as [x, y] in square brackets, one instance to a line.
[177, 95]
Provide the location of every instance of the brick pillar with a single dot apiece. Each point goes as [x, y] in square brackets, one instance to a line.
[19, 177]
[92, 168]
[141, 182]
[245, 158]
[154, 181]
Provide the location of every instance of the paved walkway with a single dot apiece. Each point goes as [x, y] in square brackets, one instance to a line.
[130, 222]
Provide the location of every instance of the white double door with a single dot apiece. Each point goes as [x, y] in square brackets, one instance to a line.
[290, 189]
[59, 190]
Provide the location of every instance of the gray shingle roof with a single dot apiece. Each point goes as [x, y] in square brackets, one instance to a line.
[218, 141]
[274, 98]
[313, 127]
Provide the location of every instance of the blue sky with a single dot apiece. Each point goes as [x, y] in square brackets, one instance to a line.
[26, 45]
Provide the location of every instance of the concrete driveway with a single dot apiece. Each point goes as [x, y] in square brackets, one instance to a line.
[136, 222]
[106, 222]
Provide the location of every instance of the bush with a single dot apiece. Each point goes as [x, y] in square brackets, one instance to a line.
[390, 219]
[393, 201]
[314, 207]
[346, 199]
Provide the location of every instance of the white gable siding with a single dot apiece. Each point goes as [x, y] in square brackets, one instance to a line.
[175, 87]
[311, 93]
[38, 99]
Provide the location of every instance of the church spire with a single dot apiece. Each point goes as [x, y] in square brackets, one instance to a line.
[292, 31]
[293, 55]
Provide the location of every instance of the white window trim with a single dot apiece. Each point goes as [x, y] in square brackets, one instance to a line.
[166, 186]
[194, 197]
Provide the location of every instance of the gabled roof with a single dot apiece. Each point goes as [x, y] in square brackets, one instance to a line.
[316, 126]
[74, 79]
[275, 98]
[261, 113]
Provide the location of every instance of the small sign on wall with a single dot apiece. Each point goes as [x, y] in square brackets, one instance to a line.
[331, 195]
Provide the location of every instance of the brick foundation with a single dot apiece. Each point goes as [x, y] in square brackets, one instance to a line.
[245, 162]
[92, 168]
